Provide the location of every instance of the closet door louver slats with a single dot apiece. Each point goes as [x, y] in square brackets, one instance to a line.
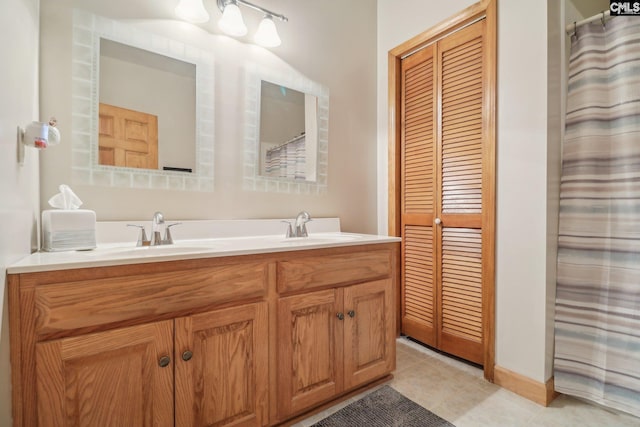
[418, 146]
[462, 283]
[418, 266]
[461, 176]
[462, 132]
[418, 196]
[443, 129]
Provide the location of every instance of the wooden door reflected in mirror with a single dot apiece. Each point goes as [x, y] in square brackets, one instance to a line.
[127, 138]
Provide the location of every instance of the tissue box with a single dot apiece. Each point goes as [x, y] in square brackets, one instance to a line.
[68, 230]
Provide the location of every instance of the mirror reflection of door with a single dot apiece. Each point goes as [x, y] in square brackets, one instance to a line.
[146, 82]
[127, 138]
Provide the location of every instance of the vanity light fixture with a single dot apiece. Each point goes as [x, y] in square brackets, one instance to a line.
[231, 22]
[267, 34]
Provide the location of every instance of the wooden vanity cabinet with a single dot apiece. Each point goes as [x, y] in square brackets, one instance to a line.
[235, 341]
[165, 344]
[337, 339]
[125, 377]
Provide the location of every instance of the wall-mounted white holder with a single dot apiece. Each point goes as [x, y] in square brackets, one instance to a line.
[38, 135]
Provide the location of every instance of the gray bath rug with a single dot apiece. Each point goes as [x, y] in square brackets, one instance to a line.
[383, 408]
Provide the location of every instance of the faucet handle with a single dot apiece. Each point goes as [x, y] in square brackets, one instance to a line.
[301, 220]
[168, 240]
[143, 240]
[303, 229]
[289, 229]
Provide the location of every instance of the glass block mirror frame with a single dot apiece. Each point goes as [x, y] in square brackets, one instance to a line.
[289, 78]
[88, 29]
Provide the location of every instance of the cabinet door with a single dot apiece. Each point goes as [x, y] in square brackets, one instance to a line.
[309, 350]
[222, 367]
[369, 332]
[111, 378]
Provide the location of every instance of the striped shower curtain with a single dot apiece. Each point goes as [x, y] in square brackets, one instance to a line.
[597, 325]
[287, 160]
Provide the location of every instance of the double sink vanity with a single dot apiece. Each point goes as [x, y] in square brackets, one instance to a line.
[235, 323]
[244, 331]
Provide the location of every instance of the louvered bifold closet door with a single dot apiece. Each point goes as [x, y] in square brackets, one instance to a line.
[418, 196]
[460, 171]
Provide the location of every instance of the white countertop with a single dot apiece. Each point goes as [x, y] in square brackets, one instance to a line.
[109, 254]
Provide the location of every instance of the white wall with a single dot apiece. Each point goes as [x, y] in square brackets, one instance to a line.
[18, 184]
[521, 305]
[525, 263]
[331, 42]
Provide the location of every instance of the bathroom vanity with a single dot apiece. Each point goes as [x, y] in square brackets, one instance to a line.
[242, 332]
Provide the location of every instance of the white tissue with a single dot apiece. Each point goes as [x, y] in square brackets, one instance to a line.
[65, 199]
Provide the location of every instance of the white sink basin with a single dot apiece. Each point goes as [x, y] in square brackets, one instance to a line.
[203, 246]
[319, 238]
[153, 251]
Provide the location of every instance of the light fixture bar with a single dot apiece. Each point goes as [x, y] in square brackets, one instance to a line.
[223, 3]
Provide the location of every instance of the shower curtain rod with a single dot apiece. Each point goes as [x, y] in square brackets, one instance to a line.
[571, 28]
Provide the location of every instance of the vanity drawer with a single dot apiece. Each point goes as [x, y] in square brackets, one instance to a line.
[88, 304]
[304, 273]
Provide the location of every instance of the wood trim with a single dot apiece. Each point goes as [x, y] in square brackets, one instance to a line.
[489, 192]
[540, 393]
[395, 156]
[488, 9]
[450, 24]
[395, 283]
[15, 341]
[272, 301]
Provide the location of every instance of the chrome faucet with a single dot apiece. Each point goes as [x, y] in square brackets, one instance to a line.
[300, 228]
[301, 221]
[157, 224]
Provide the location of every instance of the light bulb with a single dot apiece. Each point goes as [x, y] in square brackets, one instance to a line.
[267, 34]
[231, 22]
[192, 11]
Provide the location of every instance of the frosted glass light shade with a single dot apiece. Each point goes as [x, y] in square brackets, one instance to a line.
[267, 34]
[231, 22]
[192, 11]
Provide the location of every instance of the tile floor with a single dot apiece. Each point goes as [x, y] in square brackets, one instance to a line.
[458, 393]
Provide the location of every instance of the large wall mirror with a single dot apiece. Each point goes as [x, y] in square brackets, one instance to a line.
[286, 132]
[143, 108]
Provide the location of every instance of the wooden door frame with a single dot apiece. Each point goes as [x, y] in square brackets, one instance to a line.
[486, 9]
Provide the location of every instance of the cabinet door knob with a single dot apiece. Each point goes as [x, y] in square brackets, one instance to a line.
[164, 361]
[351, 313]
[187, 355]
[340, 316]
[438, 221]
